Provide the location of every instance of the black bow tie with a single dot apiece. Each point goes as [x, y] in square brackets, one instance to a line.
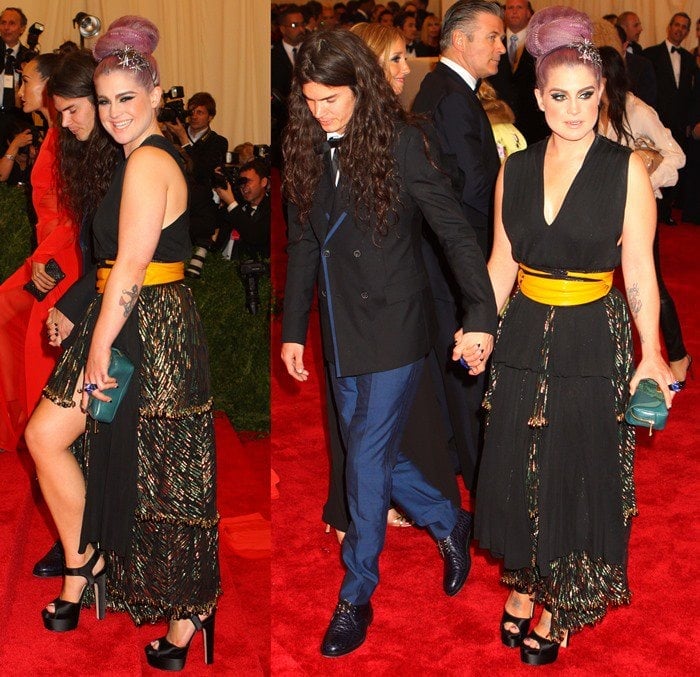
[675, 49]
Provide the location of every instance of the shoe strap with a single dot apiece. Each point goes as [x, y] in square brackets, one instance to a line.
[86, 570]
[196, 622]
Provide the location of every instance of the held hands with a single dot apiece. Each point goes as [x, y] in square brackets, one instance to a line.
[655, 368]
[96, 377]
[474, 348]
[41, 279]
[58, 326]
[293, 358]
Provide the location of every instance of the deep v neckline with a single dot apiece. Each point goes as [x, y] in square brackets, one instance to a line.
[568, 190]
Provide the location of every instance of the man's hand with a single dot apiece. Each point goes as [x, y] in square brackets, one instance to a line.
[474, 349]
[293, 358]
[178, 129]
[226, 194]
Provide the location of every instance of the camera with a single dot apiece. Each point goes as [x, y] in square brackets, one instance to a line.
[174, 107]
[250, 272]
[229, 174]
[37, 133]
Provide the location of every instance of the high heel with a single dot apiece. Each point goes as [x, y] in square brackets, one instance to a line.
[65, 615]
[514, 639]
[547, 652]
[688, 372]
[170, 657]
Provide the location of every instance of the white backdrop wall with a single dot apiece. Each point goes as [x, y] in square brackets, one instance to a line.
[218, 46]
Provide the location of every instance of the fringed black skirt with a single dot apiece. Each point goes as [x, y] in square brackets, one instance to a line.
[151, 473]
[555, 490]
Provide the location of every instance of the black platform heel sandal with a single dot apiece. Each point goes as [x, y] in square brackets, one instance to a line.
[65, 615]
[547, 652]
[514, 639]
[170, 657]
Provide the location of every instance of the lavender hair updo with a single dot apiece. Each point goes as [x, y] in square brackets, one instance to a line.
[561, 35]
[128, 45]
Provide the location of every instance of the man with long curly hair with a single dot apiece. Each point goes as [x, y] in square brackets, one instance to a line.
[359, 171]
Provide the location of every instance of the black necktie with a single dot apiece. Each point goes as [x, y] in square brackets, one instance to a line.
[8, 93]
[334, 145]
[294, 55]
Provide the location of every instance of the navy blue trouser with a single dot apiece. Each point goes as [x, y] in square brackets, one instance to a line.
[372, 409]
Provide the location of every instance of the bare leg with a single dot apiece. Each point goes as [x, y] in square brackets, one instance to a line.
[49, 434]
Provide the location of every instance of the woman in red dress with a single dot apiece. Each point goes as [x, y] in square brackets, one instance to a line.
[26, 358]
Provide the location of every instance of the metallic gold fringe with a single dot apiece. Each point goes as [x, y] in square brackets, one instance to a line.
[578, 592]
[620, 330]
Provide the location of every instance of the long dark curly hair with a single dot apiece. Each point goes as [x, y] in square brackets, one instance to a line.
[338, 58]
[616, 88]
[84, 167]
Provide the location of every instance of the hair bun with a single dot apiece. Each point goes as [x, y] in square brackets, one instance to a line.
[554, 27]
[132, 31]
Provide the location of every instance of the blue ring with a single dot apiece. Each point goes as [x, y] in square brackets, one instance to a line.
[90, 388]
[675, 387]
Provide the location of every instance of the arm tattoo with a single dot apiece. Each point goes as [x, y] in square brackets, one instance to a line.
[633, 299]
[130, 301]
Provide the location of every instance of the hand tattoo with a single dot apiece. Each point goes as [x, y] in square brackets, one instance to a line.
[633, 299]
[130, 301]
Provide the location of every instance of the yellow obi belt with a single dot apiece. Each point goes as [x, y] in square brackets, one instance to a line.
[156, 273]
[565, 289]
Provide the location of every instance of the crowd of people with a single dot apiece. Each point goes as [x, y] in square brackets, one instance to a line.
[521, 103]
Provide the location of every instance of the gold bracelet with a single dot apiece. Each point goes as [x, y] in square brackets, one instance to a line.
[9, 156]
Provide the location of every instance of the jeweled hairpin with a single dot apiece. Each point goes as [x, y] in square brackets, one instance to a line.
[587, 51]
[133, 60]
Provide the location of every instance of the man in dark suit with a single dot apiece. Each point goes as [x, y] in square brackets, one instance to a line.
[515, 80]
[355, 232]
[675, 73]
[292, 27]
[633, 28]
[471, 48]
[204, 151]
[249, 223]
[13, 23]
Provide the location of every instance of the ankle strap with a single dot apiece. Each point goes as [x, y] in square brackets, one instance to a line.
[86, 570]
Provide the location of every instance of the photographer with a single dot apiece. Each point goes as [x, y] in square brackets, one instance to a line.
[205, 150]
[246, 226]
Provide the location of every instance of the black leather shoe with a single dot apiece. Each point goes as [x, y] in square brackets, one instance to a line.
[51, 564]
[347, 629]
[455, 551]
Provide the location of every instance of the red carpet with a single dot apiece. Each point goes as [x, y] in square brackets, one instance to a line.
[114, 646]
[417, 629]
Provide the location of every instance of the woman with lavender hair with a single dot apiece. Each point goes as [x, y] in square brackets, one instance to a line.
[142, 525]
[556, 493]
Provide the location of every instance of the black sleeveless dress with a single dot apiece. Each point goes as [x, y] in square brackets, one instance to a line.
[555, 492]
[151, 473]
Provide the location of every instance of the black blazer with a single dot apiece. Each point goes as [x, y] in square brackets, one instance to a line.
[673, 103]
[254, 230]
[466, 141]
[375, 304]
[281, 71]
[642, 78]
[516, 88]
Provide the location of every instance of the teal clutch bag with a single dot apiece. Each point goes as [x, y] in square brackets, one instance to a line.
[120, 368]
[647, 407]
